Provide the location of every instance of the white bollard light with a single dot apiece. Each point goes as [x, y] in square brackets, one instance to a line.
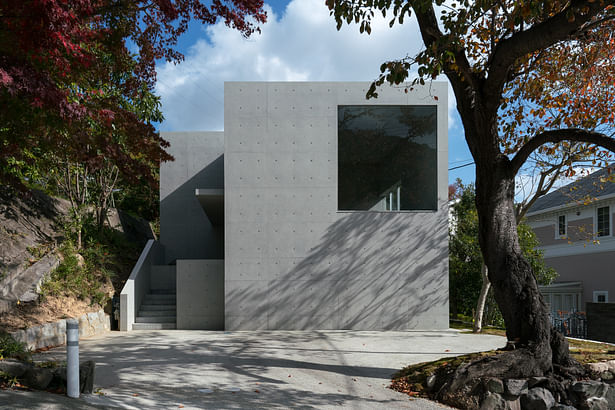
[72, 358]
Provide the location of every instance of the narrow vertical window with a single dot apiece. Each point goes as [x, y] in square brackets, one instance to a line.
[562, 225]
[603, 222]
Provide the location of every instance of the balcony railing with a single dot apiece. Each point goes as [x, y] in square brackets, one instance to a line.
[570, 323]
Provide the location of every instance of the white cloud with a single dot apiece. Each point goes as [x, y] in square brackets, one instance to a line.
[301, 45]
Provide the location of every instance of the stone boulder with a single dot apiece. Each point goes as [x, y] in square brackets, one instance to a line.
[537, 398]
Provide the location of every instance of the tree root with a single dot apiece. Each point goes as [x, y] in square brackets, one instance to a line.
[465, 386]
[514, 364]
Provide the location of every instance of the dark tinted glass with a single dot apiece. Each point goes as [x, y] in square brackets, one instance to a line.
[603, 221]
[387, 157]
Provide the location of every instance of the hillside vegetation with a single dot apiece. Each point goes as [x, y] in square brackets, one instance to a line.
[32, 225]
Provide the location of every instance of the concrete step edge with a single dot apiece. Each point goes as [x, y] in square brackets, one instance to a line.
[156, 313]
[155, 319]
[159, 306]
[154, 326]
[159, 302]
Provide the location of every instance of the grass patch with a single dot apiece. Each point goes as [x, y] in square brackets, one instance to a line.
[584, 351]
[466, 327]
[10, 348]
[497, 331]
[459, 325]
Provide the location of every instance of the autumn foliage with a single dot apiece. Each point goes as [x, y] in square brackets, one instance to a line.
[77, 77]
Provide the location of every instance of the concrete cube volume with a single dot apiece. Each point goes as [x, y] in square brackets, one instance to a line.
[314, 209]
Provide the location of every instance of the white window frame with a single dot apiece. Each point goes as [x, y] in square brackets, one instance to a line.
[598, 293]
[558, 235]
[392, 200]
[608, 207]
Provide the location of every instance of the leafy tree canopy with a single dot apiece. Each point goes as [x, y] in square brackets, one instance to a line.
[77, 77]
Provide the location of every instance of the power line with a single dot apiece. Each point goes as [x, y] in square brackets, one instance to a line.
[459, 161]
[461, 166]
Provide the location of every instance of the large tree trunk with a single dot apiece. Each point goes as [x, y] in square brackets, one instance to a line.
[536, 349]
[514, 285]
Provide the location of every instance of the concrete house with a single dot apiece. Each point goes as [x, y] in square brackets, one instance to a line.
[575, 227]
[314, 209]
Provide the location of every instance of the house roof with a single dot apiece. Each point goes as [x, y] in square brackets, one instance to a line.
[593, 185]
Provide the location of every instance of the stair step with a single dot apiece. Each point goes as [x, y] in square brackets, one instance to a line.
[156, 319]
[144, 313]
[147, 307]
[153, 326]
[159, 299]
[163, 292]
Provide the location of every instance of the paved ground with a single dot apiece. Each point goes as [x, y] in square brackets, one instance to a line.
[290, 369]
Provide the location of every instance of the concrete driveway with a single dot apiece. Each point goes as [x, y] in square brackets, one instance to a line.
[256, 369]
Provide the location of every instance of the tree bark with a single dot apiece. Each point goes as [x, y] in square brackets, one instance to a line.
[482, 298]
[514, 284]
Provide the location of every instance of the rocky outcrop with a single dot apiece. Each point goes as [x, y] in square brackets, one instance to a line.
[28, 221]
[25, 286]
[536, 393]
[30, 228]
[41, 378]
[584, 394]
[54, 334]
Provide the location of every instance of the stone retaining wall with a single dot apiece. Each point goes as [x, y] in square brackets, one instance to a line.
[54, 334]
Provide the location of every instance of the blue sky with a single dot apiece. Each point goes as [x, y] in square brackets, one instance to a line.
[299, 42]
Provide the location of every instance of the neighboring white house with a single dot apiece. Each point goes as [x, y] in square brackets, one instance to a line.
[575, 228]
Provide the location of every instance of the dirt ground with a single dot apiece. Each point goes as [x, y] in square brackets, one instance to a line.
[52, 309]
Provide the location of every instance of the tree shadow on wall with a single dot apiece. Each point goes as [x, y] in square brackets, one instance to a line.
[381, 271]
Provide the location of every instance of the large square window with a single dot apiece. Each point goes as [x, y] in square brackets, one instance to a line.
[387, 158]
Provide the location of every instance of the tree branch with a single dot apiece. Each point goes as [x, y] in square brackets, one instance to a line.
[555, 136]
[541, 190]
[463, 80]
[540, 36]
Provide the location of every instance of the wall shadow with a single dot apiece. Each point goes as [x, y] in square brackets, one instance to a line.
[380, 271]
[185, 230]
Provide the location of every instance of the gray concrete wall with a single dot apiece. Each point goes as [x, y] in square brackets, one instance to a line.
[185, 230]
[595, 270]
[200, 294]
[292, 260]
[162, 277]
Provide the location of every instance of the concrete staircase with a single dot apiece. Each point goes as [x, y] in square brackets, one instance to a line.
[158, 311]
